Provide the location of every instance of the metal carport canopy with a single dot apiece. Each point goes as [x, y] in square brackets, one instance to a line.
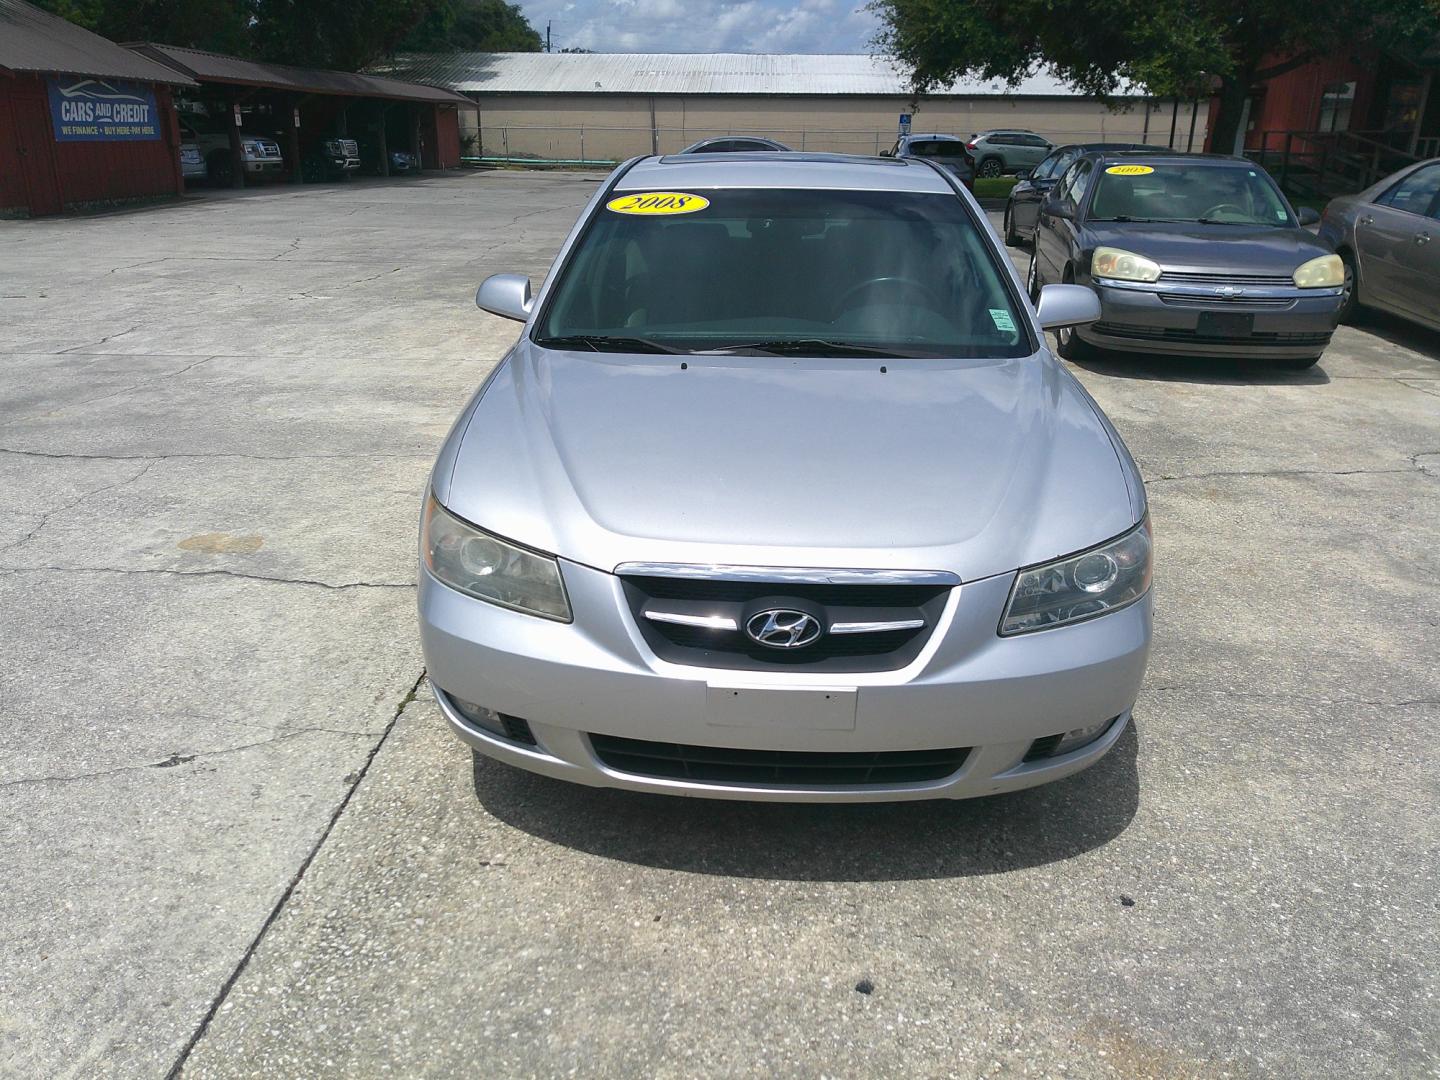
[210, 67]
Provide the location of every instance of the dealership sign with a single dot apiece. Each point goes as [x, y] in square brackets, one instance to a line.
[89, 110]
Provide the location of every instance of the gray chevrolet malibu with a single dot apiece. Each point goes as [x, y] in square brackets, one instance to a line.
[1191, 255]
[781, 496]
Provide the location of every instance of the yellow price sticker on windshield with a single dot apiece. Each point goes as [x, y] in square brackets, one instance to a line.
[1129, 170]
[658, 202]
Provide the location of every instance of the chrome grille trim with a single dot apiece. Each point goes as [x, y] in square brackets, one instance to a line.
[787, 574]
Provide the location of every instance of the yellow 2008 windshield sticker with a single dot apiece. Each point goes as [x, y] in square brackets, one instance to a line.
[1129, 170]
[658, 202]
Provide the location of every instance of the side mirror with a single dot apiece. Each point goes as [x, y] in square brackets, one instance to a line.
[1057, 207]
[1023, 174]
[1308, 215]
[885, 153]
[506, 295]
[1067, 305]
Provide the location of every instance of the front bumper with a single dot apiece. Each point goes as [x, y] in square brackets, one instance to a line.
[967, 688]
[1288, 323]
[267, 165]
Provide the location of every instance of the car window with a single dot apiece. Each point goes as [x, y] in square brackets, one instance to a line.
[938, 148]
[1046, 168]
[1208, 194]
[1080, 181]
[1416, 193]
[1002, 140]
[905, 272]
[1033, 140]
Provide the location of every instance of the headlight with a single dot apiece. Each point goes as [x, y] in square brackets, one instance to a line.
[491, 569]
[1323, 273]
[1121, 265]
[1105, 578]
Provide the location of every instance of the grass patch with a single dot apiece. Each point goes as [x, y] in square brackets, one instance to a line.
[993, 187]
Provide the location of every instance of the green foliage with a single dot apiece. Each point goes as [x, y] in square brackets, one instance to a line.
[342, 34]
[993, 187]
[1165, 46]
[220, 25]
[473, 26]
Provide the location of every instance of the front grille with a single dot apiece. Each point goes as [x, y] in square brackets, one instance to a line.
[351, 147]
[1180, 277]
[719, 765]
[1174, 333]
[1236, 301]
[884, 650]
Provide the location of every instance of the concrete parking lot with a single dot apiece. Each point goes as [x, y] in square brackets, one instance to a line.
[238, 841]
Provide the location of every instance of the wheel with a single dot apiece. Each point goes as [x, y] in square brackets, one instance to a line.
[221, 168]
[992, 167]
[1012, 238]
[1073, 347]
[1032, 278]
[1350, 306]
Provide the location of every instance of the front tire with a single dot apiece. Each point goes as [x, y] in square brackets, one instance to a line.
[1072, 347]
[1033, 283]
[1350, 307]
[1012, 238]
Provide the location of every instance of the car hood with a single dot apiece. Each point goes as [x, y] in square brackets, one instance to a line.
[977, 467]
[1250, 249]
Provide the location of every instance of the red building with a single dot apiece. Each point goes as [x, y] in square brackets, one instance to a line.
[1342, 121]
[82, 121]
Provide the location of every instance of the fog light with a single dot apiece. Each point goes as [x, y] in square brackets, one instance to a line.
[481, 717]
[1063, 743]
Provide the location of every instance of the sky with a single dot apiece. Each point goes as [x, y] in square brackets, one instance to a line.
[753, 26]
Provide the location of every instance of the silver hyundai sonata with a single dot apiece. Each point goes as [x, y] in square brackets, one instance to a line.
[781, 495]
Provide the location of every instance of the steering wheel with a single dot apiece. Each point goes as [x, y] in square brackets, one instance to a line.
[1216, 210]
[932, 299]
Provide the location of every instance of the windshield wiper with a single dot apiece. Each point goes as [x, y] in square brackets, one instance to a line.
[809, 347]
[605, 343]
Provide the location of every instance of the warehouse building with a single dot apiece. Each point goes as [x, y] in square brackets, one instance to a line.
[83, 122]
[605, 107]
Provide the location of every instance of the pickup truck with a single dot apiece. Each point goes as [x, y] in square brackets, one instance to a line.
[332, 157]
[261, 154]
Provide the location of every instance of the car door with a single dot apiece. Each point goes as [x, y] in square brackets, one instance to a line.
[1056, 223]
[1396, 238]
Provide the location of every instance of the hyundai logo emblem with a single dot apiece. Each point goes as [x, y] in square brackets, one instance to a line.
[782, 628]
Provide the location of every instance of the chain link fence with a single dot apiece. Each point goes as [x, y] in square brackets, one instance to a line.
[597, 145]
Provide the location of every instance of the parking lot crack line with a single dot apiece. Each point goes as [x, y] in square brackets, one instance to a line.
[1241, 474]
[221, 455]
[125, 390]
[280, 904]
[178, 758]
[102, 341]
[45, 518]
[313, 582]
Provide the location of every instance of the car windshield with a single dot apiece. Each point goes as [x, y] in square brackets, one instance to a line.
[817, 273]
[938, 148]
[1208, 194]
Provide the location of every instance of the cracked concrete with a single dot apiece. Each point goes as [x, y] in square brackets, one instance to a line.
[242, 845]
[208, 508]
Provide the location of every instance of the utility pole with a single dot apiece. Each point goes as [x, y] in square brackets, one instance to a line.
[547, 35]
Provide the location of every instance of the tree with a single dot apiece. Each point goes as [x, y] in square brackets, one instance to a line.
[219, 25]
[473, 26]
[344, 34]
[1165, 46]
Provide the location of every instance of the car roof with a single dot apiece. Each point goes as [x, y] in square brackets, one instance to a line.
[767, 169]
[1174, 158]
[1004, 131]
[1113, 147]
[935, 135]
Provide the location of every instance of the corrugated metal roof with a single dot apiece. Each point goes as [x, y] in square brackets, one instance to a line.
[35, 40]
[688, 73]
[217, 67]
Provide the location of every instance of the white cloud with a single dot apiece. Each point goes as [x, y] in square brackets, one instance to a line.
[756, 26]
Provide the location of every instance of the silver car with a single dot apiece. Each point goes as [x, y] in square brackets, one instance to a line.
[780, 496]
[1389, 239]
[1007, 150]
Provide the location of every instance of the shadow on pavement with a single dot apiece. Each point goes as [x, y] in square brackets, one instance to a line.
[1196, 369]
[1398, 331]
[820, 842]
